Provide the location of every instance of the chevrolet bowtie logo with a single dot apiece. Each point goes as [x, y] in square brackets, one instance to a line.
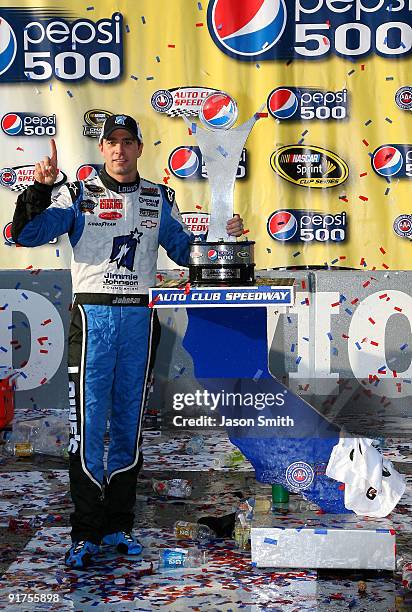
[148, 223]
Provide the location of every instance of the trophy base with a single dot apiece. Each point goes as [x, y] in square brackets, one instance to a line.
[222, 263]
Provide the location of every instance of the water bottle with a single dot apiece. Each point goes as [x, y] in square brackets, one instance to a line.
[177, 558]
[193, 531]
[195, 445]
[177, 487]
[232, 459]
[242, 526]
[22, 448]
[407, 576]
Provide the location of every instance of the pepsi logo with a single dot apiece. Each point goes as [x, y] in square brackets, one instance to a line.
[87, 171]
[387, 160]
[282, 103]
[299, 475]
[219, 111]
[8, 46]
[212, 254]
[7, 233]
[282, 225]
[11, 124]
[112, 215]
[184, 162]
[249, 27]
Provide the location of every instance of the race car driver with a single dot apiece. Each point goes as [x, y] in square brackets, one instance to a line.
[115, 222]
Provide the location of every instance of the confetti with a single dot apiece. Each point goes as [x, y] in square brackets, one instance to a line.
[143, 19]
[69, 93]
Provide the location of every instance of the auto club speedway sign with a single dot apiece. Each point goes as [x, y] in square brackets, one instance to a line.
[226, 296]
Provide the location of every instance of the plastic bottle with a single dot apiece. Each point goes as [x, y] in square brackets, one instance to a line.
[177, 558]
[231, 459]
[195, 445]
[177, 487]
[242, 526]
[193, 531]
[407, 576]
[19, 448]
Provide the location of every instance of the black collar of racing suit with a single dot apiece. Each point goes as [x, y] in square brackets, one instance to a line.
[111, 183]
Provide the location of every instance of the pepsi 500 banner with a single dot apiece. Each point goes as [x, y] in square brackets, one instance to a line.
[37, 45]
[310, 29]
[188, 163]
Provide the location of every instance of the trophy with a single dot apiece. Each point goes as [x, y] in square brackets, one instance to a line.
[221, 260]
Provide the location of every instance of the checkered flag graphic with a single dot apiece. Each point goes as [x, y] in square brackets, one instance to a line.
[178, 112]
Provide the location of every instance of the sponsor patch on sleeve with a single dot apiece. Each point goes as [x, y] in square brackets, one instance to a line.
[169, 193]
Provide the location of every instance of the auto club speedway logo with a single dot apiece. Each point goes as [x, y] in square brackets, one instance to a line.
[299, 475]
[403, 97]
[309, 166]
[181, 101]
[35, 46]
[307, 226]
[187, 162]
[402, 226]
[19, 178]
[393, 160]
[297, 103]
[262, 30]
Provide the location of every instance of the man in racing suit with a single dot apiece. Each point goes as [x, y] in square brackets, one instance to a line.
[115, 223]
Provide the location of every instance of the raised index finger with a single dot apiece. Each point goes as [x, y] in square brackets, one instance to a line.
[53, 156]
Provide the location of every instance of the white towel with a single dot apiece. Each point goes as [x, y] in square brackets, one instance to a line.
[372, 485]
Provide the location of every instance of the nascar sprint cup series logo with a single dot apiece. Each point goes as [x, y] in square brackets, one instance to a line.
[251, 30]
[307, 226]
[297, 103]
[35, 46]
[94, 120]
[309, 166]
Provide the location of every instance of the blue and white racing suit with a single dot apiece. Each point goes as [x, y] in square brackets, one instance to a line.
[115, 230]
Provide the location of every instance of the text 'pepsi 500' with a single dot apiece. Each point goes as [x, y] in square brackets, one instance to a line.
[297, 103]
[253, 30]
[36, 47]
[307, 226]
